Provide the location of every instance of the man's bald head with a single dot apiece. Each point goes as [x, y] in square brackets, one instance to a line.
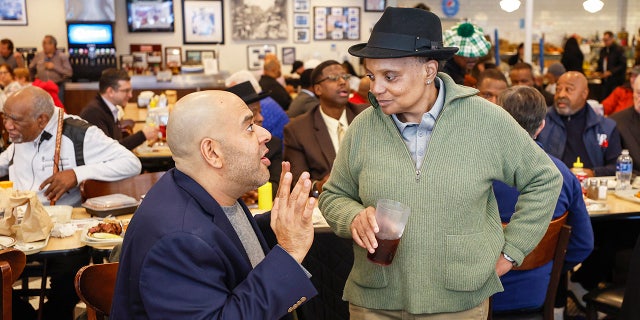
[272, 68]
[196, 116]
[572, 91]
[214, 140]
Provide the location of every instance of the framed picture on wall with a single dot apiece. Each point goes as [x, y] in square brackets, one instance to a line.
[300, 20]
[173, 57]
[196, 56]
[149, 16]
[336, 23]
[288, 55]
[300, 5]
[259, 20]
[15, 13]
[202, 22]
[301, 35]
[256, 54]
[374, 5]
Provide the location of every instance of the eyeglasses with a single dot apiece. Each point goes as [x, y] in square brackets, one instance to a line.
[335, 78]
[126, 90]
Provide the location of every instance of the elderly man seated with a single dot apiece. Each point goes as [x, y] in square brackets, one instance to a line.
[574, 130]
[84, 152]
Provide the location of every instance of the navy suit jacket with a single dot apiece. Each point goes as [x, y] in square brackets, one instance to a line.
[98, 114]
[307, 144]
[182, 259]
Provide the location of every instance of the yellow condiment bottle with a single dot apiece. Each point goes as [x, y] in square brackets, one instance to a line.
[578, 170]
[265, 196]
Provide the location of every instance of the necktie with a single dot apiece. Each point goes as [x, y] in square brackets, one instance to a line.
[115, 114]
[341, 132]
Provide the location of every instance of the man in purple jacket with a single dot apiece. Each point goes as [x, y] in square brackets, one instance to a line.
[526, 290]
[193, 250]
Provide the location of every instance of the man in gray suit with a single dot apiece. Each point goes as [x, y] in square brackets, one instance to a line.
[306, 99]
[311, 140]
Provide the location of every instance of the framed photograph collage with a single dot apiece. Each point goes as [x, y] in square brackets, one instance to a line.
[336, 23]
[301, 21]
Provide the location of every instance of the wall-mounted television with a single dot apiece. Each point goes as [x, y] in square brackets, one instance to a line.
[94, 10]
[150, 15]
[80, 34]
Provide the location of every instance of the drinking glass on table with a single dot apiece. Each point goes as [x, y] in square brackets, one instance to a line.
[159, 120]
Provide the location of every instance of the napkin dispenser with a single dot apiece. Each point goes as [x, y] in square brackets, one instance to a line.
[144, 98]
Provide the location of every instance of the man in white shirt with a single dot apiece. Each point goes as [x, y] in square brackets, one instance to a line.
[85, 151]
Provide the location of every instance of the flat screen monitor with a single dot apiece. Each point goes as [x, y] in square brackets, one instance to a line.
[81, 34]
[150, 15]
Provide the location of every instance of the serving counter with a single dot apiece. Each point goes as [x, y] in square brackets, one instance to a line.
[78, 94]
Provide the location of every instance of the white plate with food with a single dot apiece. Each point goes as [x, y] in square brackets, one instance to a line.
[631, 195]
[106, 233]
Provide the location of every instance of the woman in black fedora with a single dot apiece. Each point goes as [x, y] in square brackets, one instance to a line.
[436, 147]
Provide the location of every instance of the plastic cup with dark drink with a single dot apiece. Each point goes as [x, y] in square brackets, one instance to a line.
[391, 217]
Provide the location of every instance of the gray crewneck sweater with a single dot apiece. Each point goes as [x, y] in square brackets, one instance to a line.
[245, 232]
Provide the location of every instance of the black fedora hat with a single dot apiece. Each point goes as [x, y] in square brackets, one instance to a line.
[405, 32]
[247, 93]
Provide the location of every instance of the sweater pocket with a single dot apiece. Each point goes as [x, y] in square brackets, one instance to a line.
[469, 263]
[366, 273]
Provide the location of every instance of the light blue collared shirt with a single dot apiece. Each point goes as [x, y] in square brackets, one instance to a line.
[416, 136]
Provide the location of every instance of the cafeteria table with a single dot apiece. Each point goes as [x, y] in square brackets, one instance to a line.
[331, 257]
[154, 158]
[55, 248]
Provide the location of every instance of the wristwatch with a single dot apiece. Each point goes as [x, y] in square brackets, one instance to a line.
[506, 256]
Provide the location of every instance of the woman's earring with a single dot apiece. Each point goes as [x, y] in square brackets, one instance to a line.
[428, 82]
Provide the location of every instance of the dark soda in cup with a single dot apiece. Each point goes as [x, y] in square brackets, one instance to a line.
[163, 131]
[385, 252]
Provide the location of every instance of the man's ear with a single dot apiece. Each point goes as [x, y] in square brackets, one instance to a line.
[535, 135]
[43, 119]
[211, 152]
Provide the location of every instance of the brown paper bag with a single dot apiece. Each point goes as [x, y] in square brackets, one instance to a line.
[36, 223]
[8, 219]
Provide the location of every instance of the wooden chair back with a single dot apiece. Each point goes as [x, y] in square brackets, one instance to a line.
[12, 262]
[552, 247]
[134, 187]
[95, 285]
[544, 251]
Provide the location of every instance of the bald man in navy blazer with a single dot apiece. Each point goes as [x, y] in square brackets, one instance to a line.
[192, 249]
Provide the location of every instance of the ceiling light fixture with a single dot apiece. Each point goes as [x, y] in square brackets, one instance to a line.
[593, 6]
[510, 5]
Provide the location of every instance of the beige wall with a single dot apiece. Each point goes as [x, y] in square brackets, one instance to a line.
[552, 17]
